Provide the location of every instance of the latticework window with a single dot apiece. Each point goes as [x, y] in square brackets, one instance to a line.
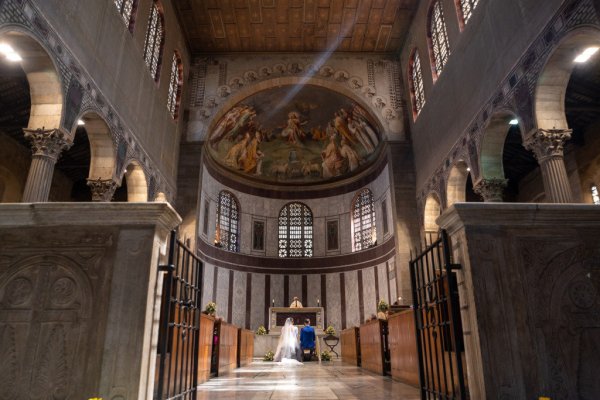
[467, 7]
[440, 46]
[126, 8]
[154, 41]
[416, 83]
[175, 86]
[295, 231]
[228, 222]
[363, 221]
[595, 195]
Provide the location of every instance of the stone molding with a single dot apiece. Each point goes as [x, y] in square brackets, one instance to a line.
[102, 189]
[47, 142]
[491, 189]
[547, 143]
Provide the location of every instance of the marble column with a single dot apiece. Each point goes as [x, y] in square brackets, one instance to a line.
[47, 144]
[491, 189]
[102, 189]
[547, 146]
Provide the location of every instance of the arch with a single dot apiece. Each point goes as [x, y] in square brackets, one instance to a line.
[494, 136]
[137, 185]
[364, 229]
[175, 85]
[457, 183]
[552, 83]
[295, 230]
[437, 38]
[45, 85]
[155, 39]
[415, 83]
[103, 162]
[227, 232]
[432, 210]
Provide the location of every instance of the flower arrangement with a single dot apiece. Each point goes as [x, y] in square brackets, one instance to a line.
[330, 330]
[269, 356]
[211, 308]
[325, 356]
[382, 306]
[261, 331]
[95, 398]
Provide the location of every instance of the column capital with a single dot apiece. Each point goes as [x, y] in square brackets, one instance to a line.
[102, 189]
[547, 143]
[491, 189]
[47, 142]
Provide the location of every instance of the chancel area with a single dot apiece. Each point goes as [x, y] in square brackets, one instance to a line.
[320, 199]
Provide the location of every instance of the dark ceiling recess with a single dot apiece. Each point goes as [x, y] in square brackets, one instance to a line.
[518, 162]
[582, 100]
[15, 103]
[75, 165]
[213, 26]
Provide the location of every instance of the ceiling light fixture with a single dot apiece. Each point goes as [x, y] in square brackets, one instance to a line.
[513, 122]
[586, 54]
[468, 169]
[80, 122]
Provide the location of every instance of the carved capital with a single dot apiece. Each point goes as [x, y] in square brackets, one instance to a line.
[102, 189]
[547, 143]
[491, 189]
[47, 142]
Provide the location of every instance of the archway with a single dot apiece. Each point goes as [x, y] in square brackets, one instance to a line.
[432, 210]
[135, 184]
[103, 161]
[457, 183]
[492, 146]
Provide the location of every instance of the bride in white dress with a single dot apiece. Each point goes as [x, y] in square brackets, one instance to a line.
[288, 348]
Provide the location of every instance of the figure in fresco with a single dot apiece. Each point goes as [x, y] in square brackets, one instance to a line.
[332, 159]
[350, 155]
[362, 136]
[318, 134]
[342, 128]
[232, 159]
[293, 131]
[251, 159]
[224, 126]
[246, 115]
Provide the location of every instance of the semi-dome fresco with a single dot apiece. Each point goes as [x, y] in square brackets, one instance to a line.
[295, 133]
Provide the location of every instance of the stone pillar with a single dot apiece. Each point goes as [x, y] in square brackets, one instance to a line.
[47, 144]
[102, 189]
[547, 146]
[491, 189]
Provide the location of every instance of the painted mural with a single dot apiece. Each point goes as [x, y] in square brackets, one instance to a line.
[295, 133]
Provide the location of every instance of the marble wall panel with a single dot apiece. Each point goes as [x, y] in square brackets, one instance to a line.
[384, 287]
[207, 285]
[239, 299]
[352, 304]
[333, 309]
[295, 289]
[314, 290]
[222, 299]
[369, 296]
[277, 291]
[257, 310]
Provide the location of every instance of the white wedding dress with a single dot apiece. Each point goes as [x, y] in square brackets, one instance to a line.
[288, 348]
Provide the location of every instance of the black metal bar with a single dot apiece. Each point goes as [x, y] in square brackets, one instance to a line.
[416, 314]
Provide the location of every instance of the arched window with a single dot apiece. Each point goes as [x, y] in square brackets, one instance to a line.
[415, 81]
[155, 37]
[127, 10]
[295, 231]
[466, 8]
[595, 195]
[364, 233]
[438, 36]
[175, 85]
[228, 222]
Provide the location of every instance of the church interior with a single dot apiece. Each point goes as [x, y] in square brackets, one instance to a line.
[419, 179]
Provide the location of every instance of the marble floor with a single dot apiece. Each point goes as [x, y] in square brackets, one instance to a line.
[314, 381]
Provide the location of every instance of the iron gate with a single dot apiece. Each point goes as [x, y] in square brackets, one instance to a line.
[177, 371]
[437, 321]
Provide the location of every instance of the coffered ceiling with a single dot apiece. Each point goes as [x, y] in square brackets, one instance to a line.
[216, 26]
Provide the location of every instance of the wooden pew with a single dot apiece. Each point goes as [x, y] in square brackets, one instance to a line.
[350, 339]
[373, 346]
[224, 355]
[207, 325]
[404, 360]
[245, 347]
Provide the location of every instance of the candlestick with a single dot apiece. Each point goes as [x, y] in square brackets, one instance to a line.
[318, 303]
[273, 302]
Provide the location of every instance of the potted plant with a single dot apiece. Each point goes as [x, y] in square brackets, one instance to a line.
[382, 309]
[269, 356]
[325, 356]
[330, 331]
[261, 331]
[211, 308]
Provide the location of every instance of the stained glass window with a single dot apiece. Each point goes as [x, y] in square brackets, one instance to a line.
[363, 221]
[467, 7]
[154, 41]
[439, 38]
[595, 195]
[416, 83]
[295, 231]
[126, 8]
[228, 226]
[175, 86]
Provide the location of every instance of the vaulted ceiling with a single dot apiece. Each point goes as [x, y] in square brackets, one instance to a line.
[217, 26]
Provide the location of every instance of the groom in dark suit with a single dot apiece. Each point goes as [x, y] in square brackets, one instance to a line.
[307, 339]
